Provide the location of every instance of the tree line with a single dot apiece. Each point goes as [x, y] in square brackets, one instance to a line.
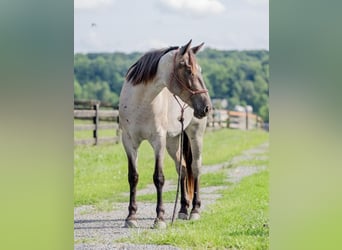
[240, 77]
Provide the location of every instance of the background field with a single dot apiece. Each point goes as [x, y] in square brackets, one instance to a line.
[101, 172]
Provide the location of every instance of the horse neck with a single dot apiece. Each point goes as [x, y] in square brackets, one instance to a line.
[144, 93]
[165, 69]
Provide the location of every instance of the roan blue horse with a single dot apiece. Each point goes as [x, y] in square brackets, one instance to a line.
[157, 86]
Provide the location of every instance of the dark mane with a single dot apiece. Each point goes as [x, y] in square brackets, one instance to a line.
[145, 69]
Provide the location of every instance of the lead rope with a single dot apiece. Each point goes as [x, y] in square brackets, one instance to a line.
[181, 120]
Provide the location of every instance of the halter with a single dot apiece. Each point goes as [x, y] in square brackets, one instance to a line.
[173, 75]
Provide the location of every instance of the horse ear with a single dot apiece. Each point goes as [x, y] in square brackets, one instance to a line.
[197, 48]
[185, 48]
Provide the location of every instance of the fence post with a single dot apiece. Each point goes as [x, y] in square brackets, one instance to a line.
[246, 110]
[96, 122]
[118, 131]
[228, 119]
[219, 120]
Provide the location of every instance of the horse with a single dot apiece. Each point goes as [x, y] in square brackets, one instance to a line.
[158, 88]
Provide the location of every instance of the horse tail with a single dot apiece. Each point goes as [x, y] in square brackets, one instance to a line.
[188, 162]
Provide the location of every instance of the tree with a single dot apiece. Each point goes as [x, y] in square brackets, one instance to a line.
[77, 90]
[241, 77]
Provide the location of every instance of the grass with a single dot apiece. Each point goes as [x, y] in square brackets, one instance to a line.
[254, 162]
[100, 172]
[238, 220]
[220, 146]
[213, 179]
[168, 196]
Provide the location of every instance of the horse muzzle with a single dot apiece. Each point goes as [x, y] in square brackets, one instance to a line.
[202, 113]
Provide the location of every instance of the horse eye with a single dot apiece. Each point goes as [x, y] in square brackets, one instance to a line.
[189, 71]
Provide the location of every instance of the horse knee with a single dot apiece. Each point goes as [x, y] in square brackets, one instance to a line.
[133, 178]
[158, 179]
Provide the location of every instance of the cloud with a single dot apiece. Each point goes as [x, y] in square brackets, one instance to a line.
[194, 7]
[257, 2]
[91, 4]
[156, 44]
[149, 44]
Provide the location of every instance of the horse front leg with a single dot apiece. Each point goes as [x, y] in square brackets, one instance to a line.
[133, 178]
[196, 202]
[159, 180]
[183, 211]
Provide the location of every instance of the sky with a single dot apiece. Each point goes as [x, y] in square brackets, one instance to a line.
[142, 25]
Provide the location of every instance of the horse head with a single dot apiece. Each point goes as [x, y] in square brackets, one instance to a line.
[187, 81]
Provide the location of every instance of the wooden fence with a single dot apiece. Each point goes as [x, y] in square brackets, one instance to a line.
[96, 115]
[90, 110]
[234, 120]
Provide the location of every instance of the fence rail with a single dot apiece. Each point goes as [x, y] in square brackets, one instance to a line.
[96, 115]
[234, 120]
[93, 113]
[97, 141]
[217, 120]
[93, 126]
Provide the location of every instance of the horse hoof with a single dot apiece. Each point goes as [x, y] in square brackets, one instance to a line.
[131, 224]
[195, 216]
[182, 216]
[159, 224]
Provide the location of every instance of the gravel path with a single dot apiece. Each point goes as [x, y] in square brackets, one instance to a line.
[95, 229]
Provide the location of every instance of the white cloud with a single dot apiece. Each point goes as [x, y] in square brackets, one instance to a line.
[156, 44]
[197, 7]
[257, 2]
[91, 4]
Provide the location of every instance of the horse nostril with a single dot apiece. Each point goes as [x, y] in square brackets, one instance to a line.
[206, 109]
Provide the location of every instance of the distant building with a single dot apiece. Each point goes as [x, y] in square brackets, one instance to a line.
[220, 103]
[240, 108]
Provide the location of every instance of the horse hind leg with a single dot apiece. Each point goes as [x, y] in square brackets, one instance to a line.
[189, 184]
[196, 142]
[183, 211]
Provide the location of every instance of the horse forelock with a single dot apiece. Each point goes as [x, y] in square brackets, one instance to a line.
[145, 69]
